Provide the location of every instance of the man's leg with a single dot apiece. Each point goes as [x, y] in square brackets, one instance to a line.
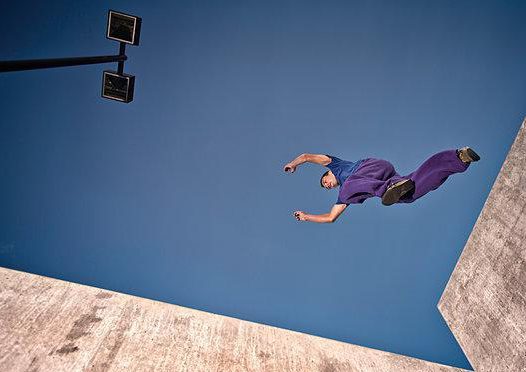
[369, 180]
[432, 173]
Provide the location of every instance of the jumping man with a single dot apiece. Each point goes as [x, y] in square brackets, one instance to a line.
[370, 177]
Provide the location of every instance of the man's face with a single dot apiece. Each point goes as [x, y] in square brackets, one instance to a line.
[329, 181]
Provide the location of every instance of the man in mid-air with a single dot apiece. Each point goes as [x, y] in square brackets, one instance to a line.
[370, 177]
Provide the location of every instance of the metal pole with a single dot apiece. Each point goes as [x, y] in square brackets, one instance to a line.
[33, 64]
[122, 51]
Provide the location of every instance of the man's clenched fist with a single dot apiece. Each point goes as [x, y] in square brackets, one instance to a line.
[289, 168]
[300, 216]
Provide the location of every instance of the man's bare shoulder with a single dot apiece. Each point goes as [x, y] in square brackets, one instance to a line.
[319, 159]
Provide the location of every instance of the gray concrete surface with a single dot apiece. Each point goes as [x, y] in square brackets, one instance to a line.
[484, 303]
[52, 325]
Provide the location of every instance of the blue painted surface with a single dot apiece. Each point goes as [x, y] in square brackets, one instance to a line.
[180, 196]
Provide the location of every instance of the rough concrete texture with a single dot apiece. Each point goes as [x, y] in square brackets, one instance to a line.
[484, 302]
[52, 325]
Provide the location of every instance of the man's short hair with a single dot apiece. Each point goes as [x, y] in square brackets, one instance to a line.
[323, 175]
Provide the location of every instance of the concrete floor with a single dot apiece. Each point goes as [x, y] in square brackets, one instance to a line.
[484, 303]
[52, 325]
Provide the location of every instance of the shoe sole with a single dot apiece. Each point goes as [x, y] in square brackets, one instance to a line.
[472, 154]
[393, 195]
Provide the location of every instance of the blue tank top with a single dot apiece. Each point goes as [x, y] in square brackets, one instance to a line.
[342, 168]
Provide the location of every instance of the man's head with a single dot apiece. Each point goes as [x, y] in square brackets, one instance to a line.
[328, 180]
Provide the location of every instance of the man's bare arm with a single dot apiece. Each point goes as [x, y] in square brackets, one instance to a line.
[307, 158]
[330, 217]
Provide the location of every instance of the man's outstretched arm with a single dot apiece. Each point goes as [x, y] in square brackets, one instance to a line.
[307, 158]
[330, 217]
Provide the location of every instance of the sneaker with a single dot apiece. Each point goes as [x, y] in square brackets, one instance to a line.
[396, 191]
[467, 155]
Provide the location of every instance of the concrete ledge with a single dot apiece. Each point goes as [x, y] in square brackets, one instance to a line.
[484, 303]
[52, 325]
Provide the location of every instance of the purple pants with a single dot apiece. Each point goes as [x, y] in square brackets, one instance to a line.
[374, 176]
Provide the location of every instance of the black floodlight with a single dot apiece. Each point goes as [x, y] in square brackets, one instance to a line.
[123, 28]
[117, 86]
